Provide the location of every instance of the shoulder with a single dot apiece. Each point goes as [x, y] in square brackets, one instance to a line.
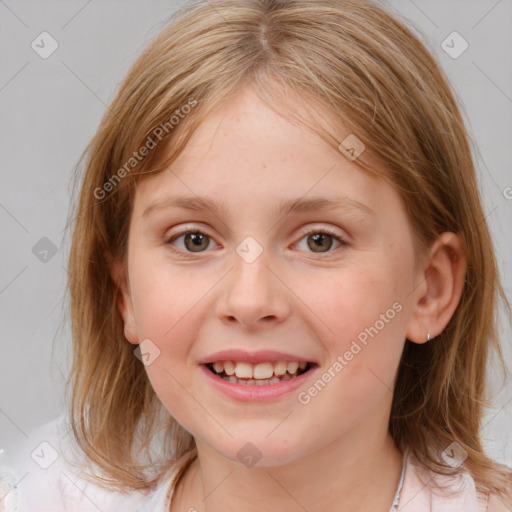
[424, 490]
[44, 475]
[495, 504]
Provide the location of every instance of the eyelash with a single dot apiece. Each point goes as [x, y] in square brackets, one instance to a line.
[185, 254]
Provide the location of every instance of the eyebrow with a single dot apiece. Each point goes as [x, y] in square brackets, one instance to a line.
[297, 205]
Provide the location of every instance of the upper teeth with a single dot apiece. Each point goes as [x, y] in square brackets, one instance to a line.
[245, 370]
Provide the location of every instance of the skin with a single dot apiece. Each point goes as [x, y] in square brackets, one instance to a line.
[335, 452]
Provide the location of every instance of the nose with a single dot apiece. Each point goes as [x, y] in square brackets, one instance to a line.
[253, 295]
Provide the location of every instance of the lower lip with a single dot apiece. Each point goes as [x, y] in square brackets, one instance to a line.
[255, 393]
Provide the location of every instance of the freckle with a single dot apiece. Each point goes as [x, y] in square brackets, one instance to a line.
[264, 166]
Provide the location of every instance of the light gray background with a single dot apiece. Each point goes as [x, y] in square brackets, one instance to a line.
[50, 108]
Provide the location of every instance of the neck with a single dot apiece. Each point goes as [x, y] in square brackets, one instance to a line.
[337, 477]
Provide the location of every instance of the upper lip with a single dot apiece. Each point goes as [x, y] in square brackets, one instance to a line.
[262, 356]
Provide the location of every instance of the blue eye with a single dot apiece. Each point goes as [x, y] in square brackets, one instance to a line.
[195, 241]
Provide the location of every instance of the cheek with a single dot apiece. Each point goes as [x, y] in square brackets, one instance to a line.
[163, 297]
[165, 313]
[165, 308]
[365, 346]
[363, 328]
[353, 299]
[172, 389]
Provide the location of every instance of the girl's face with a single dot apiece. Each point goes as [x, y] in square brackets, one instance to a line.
[259, 277]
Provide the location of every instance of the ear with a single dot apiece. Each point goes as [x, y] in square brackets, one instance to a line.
[441, 279]
[124, 301]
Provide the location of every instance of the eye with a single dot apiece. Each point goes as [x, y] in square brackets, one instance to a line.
[195, 241]
[320, 239]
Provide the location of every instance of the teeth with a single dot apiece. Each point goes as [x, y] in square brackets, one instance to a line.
[263, 371]
[259, 373]
[229, 367]
[292, 367]
[256, 382]
[280, 368]
[243, 370]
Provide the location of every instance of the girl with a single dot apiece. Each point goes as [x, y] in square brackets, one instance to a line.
[224, 359]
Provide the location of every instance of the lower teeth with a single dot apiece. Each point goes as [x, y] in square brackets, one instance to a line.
[257, 382]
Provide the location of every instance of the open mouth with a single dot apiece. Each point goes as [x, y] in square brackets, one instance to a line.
[263, 374]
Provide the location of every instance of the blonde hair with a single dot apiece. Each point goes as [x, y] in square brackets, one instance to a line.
[377, 80]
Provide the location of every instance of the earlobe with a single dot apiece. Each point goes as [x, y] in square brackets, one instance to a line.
[124, 302]
[442, 282]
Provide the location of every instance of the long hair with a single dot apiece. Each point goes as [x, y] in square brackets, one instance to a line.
[358, 68]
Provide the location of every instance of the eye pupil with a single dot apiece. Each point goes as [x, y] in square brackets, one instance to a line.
[318, 239]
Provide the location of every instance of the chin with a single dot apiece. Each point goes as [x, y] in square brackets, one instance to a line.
[255, 452]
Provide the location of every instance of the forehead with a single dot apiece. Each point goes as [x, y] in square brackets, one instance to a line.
[245, 153]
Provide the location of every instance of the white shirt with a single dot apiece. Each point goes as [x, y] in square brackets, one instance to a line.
[43, 478]
[40, 479]
[460, 494]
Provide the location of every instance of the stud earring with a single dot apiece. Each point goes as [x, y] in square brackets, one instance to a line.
[428, 336]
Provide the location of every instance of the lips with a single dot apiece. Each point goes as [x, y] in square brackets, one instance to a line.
[262, 356]
[257, 390]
